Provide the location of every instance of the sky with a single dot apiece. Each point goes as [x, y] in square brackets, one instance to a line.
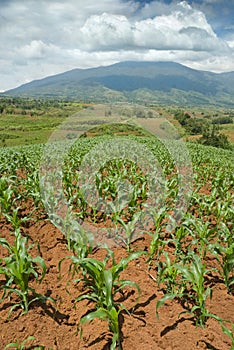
[39, 38]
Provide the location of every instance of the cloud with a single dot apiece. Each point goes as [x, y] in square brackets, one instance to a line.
[41, 38]
[182, 29]
[107, 31]
[37, 49]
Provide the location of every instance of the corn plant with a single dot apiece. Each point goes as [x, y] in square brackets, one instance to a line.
[123, 182]
[168, 273]
[19, 345]
[192, 290]
[129, 229]
[157, 241]
[229, 333]
[7, 194]
[15, 219]
[18, 267]
[82, 244]
[103, 285]
[193, 277]
[225, 256]
[180, 238]
[78, 240]
[156, 246]
[111, 315]
[203, 235]
[32, 188]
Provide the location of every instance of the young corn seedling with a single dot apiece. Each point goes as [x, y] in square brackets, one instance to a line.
[156, 246]
[15, 219]
[129, 229]
[32, 188]
[193, 277]
[19, 345]
[168, 273]
[111, 315]
[82, 244]
[179, 239]
[78, 240]
[7, 194]
[203, 236]
[229, 333]
[18, 267]
[225, 257]
[157, 242]
[103, 285]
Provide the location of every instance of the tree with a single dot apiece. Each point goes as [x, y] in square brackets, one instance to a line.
[182, 117]
[222, 120]
[195, 126]
[212, 137]
[150, 114]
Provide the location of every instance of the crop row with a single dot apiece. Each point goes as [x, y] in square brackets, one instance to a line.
[36, 184]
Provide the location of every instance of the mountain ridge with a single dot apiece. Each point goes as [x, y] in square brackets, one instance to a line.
[162, 81]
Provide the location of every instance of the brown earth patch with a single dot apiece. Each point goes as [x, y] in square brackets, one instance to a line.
[56, 326]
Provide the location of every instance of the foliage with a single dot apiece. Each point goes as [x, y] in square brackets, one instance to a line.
[192, 125]
[223, 120]
[18, 267]
[213, 137]
[18, 345]
[103, 285]
[177, 256]
[182, 117]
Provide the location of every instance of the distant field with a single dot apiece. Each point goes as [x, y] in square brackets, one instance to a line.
[30, 121]
[228, 130]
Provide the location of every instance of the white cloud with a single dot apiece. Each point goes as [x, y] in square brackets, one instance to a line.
[182, 29]
[231, 44]
[37, 49]
[106, 31]
[40, 38]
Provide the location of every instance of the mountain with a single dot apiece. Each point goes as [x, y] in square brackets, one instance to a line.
[159, 82]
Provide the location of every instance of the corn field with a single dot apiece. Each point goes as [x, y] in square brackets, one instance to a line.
[57, 263]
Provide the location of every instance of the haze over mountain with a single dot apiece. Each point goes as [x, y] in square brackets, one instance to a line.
[159, 82]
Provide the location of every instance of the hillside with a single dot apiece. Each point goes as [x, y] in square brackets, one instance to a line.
[160, 82]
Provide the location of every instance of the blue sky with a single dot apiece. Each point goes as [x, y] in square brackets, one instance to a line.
[219, 13]
[40, 38]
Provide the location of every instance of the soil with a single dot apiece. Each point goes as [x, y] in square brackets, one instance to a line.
[56, 326]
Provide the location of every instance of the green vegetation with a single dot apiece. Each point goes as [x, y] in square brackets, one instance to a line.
[103, 285]
[166, 83]
[206, 126]
[26, 121]
[212, 137]
[192, 125]
[18, 267]
[18, 345]
[223, 120]
[116, 129]
[21, 345]
[176, 258]
[30, 121]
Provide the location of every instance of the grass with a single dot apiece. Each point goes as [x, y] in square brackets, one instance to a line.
[228, 130]
[26, 121]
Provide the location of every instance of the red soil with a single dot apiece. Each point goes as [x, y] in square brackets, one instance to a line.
[56, 326]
